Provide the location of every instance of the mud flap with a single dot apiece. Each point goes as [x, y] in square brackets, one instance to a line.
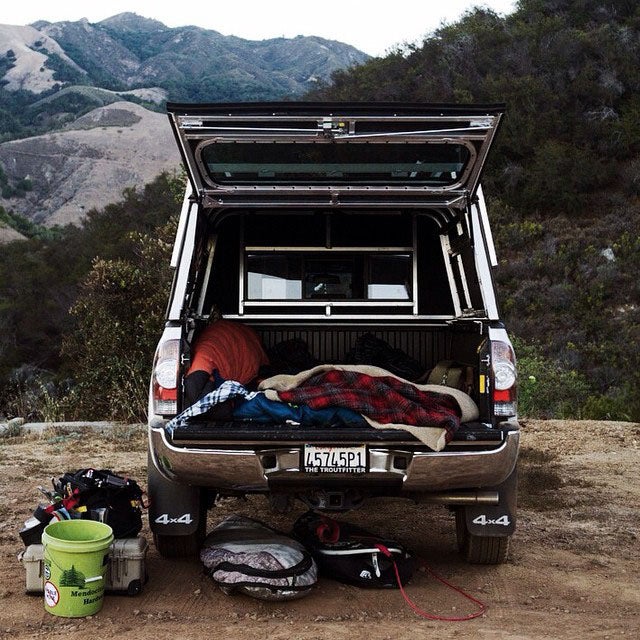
[495, 520]
[174, 509]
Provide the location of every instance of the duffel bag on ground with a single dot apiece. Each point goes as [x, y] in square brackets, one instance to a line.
[347, 553]
[246, 556]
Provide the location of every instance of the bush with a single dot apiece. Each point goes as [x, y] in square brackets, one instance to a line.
[34, 394]
[618, 405]
[546, 389]
[119, 315]
[560, 175]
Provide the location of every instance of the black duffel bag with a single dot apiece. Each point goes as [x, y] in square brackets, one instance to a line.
[348, 553]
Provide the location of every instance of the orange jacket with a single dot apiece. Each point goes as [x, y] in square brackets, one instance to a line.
[230, 347]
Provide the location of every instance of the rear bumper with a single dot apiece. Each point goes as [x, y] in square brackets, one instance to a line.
[261, 468]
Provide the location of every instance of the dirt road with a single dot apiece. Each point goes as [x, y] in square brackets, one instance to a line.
[573, 570]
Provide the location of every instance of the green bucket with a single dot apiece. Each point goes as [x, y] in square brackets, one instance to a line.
[76, 555]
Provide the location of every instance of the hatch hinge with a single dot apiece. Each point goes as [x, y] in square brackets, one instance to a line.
[332, 127]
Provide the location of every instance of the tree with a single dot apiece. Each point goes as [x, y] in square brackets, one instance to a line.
[118, 244]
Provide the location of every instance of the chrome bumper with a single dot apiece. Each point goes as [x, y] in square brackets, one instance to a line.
[257, 468]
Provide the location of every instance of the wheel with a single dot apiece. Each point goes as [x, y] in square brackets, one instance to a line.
[134, 588]
[480, 549]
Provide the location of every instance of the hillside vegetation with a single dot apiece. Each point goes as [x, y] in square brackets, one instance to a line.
[563, 185]
[563, 180]
[69, 300]
[87, 165]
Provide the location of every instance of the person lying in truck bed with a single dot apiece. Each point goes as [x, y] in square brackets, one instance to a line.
[223, 350]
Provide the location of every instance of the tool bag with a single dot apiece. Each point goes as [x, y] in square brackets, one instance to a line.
[347, 553]
[100, 494]
[244, 555]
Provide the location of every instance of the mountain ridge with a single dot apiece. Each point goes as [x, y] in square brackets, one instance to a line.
[128, 51]
[58, 77]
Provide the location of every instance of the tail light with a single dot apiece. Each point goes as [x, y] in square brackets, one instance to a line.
[505, 390]
[165, 378]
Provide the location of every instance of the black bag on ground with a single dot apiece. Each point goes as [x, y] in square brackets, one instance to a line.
[347, 553]
[103, 495]
[246, 556]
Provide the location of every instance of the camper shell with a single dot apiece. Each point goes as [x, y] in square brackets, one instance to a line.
[327, 224]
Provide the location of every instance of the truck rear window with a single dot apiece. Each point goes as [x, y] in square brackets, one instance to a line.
[330, 276]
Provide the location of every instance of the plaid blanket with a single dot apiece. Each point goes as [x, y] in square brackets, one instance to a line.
[384, 399]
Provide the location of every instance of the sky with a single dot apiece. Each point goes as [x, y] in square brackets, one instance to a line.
[373, 27]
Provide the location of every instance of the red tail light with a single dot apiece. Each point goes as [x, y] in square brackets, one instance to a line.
[505, 390]
[165, 378]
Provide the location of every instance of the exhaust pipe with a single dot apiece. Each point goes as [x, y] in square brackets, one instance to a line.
[460, 498]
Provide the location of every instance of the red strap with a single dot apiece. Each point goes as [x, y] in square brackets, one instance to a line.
[67, 503]
[431, 616]
[328, 530]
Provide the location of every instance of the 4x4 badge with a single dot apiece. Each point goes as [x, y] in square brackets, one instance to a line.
[483, 520]
[183, 519]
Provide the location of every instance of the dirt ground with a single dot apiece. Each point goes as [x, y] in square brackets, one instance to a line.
[573, 569]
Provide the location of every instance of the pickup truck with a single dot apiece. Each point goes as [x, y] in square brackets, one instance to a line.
[333, 226]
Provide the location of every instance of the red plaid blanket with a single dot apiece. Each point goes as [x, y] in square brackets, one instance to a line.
[384, 399]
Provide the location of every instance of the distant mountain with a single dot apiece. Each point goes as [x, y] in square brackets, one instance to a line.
[128, 52]
[89, 164]
[46, 68]
[72, 78]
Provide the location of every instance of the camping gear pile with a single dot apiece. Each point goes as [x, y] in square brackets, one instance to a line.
[96, 495]
[241, 554]
[90, 494]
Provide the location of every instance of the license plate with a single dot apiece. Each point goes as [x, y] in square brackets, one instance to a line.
[335, 459]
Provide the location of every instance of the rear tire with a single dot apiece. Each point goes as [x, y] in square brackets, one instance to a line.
[480, 549]
[174, 508]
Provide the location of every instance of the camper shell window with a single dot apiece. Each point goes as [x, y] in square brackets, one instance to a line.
[342, 267]
[331, 275]
[334, 162]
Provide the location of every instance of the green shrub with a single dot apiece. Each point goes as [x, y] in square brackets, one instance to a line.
[611, 407]
[545, 388]
[560, 175]
[34, 394]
